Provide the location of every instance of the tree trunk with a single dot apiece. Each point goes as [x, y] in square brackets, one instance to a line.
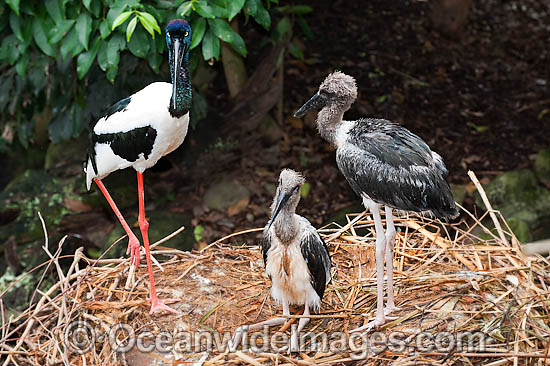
[233, 65]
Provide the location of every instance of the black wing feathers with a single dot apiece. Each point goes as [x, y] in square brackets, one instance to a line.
[395, 167]
[128, 145]
[315, 253]
[265, 244]
[117, 107]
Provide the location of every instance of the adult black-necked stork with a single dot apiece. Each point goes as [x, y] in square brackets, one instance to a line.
[296, 259]
[386, 165]
[137, 131]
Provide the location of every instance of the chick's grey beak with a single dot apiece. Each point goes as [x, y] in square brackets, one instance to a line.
[282, 197]
[316, 102]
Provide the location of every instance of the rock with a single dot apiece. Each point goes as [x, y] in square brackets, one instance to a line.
[517, 187]
[67, 153]
[522, 202]
[542, 166]
[459, 193]
[225, 194]
[161, 224]
[31, 192]
[520, 228]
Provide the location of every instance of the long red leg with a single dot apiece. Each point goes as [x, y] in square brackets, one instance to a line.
[133, 241]
[156, 304]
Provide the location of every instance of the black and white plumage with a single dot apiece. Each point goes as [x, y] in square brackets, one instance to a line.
[386, 165]
[138, 130]
[135, 132]
[296, 258]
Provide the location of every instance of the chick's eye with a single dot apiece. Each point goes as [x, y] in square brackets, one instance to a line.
[186, 34]
[168, 35]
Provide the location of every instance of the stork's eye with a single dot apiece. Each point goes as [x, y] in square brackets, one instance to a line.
[186, 34]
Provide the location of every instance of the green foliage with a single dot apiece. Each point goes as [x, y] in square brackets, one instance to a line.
[58, 54]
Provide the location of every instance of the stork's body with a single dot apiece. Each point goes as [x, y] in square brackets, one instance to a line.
[387, 166]
[137, 131]
[296, 259]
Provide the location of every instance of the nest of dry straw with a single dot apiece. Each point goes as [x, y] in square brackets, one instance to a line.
[448, 282]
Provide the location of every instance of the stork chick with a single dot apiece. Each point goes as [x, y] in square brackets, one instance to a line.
[137, 131]
[296, 258]
[387, 166]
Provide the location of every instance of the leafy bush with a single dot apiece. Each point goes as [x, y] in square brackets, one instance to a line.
[56, 55]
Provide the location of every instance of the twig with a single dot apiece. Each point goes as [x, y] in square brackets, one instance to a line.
[483, 195]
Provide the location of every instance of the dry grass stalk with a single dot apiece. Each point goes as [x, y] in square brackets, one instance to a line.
[447, 279]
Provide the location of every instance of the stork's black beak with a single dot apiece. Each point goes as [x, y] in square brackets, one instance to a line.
[316, 102]
[282, 197]
[178, 51]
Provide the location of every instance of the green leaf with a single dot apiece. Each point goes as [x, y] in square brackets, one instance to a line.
[21, 65]
[39, 35]
[14, 5]
[149, 23]
[199, 108]
[121, 19]
[184, 9]
[83, 29]
[69, 43]
[198, 232]
[295, 51]
[108, 54]
[283, 27]
[155, 60]
[130, 29]
[204, 10]
[117, 42]
[221, 29]
[234, 7]
[93, 6]
[304, 190]
[220, 11]
[139, 44]
[15, 25]
[11, 49]
[151, 20]
[54, 10]
[237, 43]
[304, 26]
[102, 56]
[210, 46]
[111, 73]
[59, 31]
[87, 4]
[381, 98]
[251, 7]
[262, 17]
[295, 9]
[104, 29]
[85, 60]
[198, 25]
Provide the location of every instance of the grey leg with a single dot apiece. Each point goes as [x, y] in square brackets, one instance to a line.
[294, 344]
[380, 249]
[390, 245]
[237, 337]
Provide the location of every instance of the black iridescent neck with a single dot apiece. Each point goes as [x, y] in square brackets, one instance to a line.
[184, 90]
